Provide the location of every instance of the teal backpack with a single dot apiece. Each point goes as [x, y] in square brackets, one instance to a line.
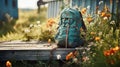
[68, 35]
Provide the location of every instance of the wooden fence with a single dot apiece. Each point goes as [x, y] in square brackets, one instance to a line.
[54, 7]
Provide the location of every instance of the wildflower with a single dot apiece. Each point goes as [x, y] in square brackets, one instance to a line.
[69, 56]
[75, 60]
[99, 12]
[49, 41]
[112, 22]
[88, 7]
[8, 64]
[97, 38]
[50, 22]
[107, 53]
[92, 33]
[103, 14]
[83, 11]
[26, 30]
[83, 52]
[108, 15]
[116, 48]
[89, 19]
[100, 2]
[111, 51]
[38, 22]
[105, 18]
[31, 25]
[58, 56]
[84, 59]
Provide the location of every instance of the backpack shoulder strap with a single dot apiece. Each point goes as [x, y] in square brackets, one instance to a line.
[83, 24]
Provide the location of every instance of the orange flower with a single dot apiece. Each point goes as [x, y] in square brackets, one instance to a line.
[69, 56]
[97, 38]
[116, 48]
[108, 15]
[112, 51]
[8, 64]
[89, 19]
[50, 22]
[103, 14]
[107, 53]
[83, 11]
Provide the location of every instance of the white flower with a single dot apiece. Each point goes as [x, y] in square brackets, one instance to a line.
[88, 7]
[58, 56]
[83, 52]
[100, 2]
[75, 60]
[105, 18]
[26, 30]
[99, 12]
[112, 22]
[38, 22]
[31, 25]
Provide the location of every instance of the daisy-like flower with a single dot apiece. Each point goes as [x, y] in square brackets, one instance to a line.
[100, 2]
[105, 18]
[88, 7]
[26, 30]
[38, 22]
[112, 22]
[58, 56]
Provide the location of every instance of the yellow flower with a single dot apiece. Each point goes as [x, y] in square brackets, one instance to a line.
[116, 48]
[92, 33]
[49, 40]
[89, 19]
[97, 38]
[103, 14]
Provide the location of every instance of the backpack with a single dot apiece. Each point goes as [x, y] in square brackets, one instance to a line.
[68, 34]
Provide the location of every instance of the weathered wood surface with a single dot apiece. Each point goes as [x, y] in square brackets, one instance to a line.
[17, 50]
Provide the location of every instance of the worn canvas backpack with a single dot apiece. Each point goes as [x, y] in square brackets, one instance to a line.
[68, 34]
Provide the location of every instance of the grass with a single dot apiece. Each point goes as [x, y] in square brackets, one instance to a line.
[17, 27]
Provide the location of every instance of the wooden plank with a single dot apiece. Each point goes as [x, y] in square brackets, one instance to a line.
[31, 51]
[34, 54]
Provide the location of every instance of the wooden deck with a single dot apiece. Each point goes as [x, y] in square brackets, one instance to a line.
[18, 50]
